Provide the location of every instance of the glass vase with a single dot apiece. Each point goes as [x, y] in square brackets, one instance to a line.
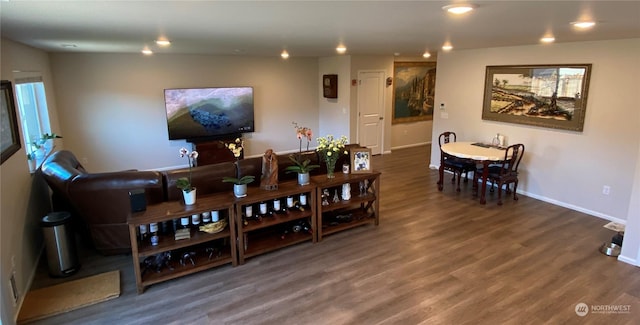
[331, 168]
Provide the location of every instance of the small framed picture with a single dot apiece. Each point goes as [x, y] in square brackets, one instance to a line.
[360, 160]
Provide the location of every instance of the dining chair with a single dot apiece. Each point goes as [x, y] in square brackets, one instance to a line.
[453, 164]
[504, 172]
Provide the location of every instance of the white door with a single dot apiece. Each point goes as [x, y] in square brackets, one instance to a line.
[371, 110]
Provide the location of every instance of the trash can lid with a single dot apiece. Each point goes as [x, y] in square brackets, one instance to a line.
[56, 218]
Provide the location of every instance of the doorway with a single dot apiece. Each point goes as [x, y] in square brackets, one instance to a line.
[371, 110]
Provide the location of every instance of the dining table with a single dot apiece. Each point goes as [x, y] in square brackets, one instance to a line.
[476, 152]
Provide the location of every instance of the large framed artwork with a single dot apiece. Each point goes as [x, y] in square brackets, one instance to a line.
[414, 85]
[9, 137]
[553, 96]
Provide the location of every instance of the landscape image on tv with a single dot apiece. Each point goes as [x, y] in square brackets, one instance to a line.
[208, 112]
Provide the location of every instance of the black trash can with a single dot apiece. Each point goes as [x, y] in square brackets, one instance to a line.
[60, 244]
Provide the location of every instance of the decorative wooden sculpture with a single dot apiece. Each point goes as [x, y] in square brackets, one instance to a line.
[269, 180]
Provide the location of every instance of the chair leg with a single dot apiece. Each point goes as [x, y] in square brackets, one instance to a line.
[515, 190]
[475, 184]
[459, 177]
[499, 193]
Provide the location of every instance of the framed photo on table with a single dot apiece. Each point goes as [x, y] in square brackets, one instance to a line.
[9, 137]
[360, 160]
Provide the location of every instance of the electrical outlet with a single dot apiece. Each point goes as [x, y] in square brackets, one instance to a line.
[606, 190]
[14, 288]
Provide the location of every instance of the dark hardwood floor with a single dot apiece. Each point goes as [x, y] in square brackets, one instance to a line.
[435, 258]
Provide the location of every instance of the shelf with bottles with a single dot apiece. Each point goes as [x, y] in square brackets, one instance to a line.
[273, 212]
[263, 213]
[346, 201]
[166, 233]
[282, 235]
[182, 261]
[167, 228]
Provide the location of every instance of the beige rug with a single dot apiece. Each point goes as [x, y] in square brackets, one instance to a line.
[64, 297]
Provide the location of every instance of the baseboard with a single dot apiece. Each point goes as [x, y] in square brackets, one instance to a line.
[562, 204]
[574, 207]
[28, 286]
[411, 145]
[628, 260]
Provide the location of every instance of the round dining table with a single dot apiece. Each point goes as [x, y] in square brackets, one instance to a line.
[476, 152]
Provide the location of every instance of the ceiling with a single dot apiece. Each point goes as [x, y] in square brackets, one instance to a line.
[306, 28]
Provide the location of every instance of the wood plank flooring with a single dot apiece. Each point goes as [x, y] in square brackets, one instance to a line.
[435, 258]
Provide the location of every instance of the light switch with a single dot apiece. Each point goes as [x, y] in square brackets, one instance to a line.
[444, 115]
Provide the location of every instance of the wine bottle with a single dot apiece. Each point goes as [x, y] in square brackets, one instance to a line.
[184, 222]
[144, 232]
[277, 208]
[248, 214]
[290, 203]
[304, 205]
[153, 229]
[264, 210]
[206, 217]
[195, 221]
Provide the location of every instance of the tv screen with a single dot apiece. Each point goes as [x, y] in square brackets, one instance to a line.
[200, 113]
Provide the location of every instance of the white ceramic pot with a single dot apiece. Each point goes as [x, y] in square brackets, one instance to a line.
[240, 190]
[189, 197]
[303, 178]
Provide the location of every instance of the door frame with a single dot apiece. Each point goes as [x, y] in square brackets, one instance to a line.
[382, 113]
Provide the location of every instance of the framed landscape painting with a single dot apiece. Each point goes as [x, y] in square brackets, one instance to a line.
[553, 96]
[9, 137]
[414, 85]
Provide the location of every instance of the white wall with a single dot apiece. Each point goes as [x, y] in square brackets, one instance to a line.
[333, 113]
[563, 167]
[24, 197]
[631, 244]
[111, 106]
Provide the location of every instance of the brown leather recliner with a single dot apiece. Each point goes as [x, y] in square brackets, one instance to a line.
[100, 200]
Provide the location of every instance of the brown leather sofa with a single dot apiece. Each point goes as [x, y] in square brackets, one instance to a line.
[101, 200]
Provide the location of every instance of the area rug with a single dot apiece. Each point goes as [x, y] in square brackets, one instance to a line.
[64, 297]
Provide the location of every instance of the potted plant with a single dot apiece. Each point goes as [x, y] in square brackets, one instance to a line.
[302, 167]
[184, 183]
[239, 183]
[330, 150]
[41, 149]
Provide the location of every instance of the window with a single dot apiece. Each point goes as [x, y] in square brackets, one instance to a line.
[34, 117]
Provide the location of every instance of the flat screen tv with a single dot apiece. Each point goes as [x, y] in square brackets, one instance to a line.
[208, 113]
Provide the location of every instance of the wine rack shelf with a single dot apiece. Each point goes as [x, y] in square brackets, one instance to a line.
[248, 236]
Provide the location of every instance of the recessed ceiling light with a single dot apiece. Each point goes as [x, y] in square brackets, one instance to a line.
[447, 47]
[548, 39]
[163, 42]
[341, 49]
[458, 9]
[583, 24]
[147, 51]
[426, 55]
[284, 54]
